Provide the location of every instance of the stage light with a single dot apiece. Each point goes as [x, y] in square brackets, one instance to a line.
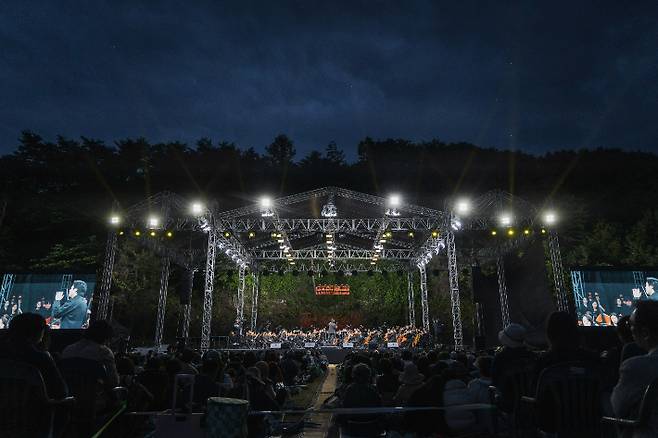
[510, 232]
[526, 232]
[505, 219]
[152, 234]
[280, 240]
[197, 208]
[115, 220]
[382, 240]
[435, 234]
[543, 231]
[251, 234]
[494, 232]
[153, 222]
[273, 235]
[121, 233]
[550, 218]
[138, 233]
[372, 263]
[266, 202]
[227, 234]
[410, 234]
[463, 207]
[292, 262]
[389, 234]
[394, 200]
[170, 234]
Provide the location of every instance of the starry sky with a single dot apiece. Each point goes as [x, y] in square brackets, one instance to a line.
[533, 76]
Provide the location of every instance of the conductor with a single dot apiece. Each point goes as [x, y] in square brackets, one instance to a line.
[331, 330]
[74, 311]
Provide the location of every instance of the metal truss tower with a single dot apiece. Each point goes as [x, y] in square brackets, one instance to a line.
[255, 290]
[558, 273]
[106, 279]
[162, 301]
[239, 305]
[424, 304]
[185, 332]
[502, 290]
[411, 299]
[453, 276]
[208, 288]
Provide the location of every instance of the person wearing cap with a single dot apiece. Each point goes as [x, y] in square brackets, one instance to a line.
[512, 353]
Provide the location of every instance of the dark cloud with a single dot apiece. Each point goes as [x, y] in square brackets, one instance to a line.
[516, 75]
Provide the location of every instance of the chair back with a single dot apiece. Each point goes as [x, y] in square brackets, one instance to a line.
[517, 381]
[84, 378]
[569, 400]
[23, 401]
[649, 404]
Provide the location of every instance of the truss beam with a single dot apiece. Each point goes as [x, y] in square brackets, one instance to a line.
[453, 277]
[372, 225]
[502, 290]
[424, 302]
[353, 254]
[162, 302]
[411, 301]
[208, 290]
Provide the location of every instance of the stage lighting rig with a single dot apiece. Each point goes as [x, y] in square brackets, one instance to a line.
[549, 218]
[153, 222]
[266, 205]
[393, 203]
[505, 219]
[463, 207]
[115, 220]
[197, 209]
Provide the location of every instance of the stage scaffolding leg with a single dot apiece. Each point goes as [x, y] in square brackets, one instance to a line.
[185, 332]
[502, 290]
[410, 299]
[106, 279]
[240, 302]
[423, 298]
[162, 302]
[453, 275]
[558, 274]
[255, 290]
[208, 290]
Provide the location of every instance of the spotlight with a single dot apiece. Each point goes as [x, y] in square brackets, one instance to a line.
[170, 234]
[152, 234]
[121, 233]
[550, 218]
[510, 232]
[526, 232]
[435, 234]
[153, 222]
[115, 220]
[382, 240]
[292, 262]
[266, 202]
[494, 232]
[463, 207]
[273, 235]
[251, 234]
[227, 234]
[394, 200]
[505, 219]
[138, 233]
[197, 208]
[543, 231]
[410, 234]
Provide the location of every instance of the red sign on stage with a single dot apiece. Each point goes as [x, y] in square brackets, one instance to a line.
[332, 289]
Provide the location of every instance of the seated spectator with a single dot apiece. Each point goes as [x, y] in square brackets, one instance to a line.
[205, 383]
[564, 344]
[511, 355]
[22, 344]
[139, 398]
[613, 357]
[93, 346]
[259, 400]
[156, 382]
[478, 390]
[186, 358]
[290, 369]
[410, 380]
[430, 394]
[455, 393]
[387, 382]
[630, 347]
[637, 372]
[359, 394]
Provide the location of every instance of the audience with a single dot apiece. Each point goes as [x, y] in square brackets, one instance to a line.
[23, 344]
[93, 346]
[636, 373]
[410, 380]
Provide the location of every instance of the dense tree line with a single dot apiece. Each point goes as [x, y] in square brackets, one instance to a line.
[55, 195]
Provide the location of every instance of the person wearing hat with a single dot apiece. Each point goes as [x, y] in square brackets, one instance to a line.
[410, 380]
[512, 353]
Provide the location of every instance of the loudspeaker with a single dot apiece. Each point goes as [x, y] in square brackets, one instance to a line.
[185, 287]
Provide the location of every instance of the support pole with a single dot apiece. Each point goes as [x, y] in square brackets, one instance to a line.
[162, 302]
[239, 305]
[411, 299]
[558, 273]
[502, 290]
[423, 297]
[185, 332]
[106, 279]
[453, 275]
[208, 288]
[255, 290]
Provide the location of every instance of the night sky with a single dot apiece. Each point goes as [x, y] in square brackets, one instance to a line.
[511, 75]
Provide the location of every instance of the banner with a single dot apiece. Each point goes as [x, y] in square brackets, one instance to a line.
[332, 289]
